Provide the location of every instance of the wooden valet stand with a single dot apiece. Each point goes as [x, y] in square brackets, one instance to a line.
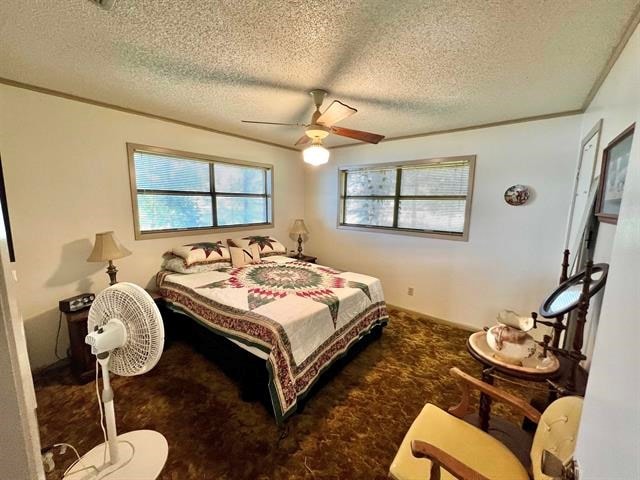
[556, 306]
[562, 371]
[558, 326]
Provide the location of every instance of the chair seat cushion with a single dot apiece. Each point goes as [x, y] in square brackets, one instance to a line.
[470, 445]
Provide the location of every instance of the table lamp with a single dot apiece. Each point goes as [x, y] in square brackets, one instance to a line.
[107, 249]
[300, 229]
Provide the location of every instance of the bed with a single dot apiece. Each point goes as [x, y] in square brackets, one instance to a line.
[297, 317]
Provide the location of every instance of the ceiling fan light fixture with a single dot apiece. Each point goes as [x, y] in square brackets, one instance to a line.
[316, 154]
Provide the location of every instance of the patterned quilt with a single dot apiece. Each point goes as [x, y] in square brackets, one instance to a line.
[303, 316]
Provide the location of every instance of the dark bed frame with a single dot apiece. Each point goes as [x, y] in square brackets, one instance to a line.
[248, 371]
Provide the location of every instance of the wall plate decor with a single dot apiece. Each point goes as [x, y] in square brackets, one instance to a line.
[516, 195]
[615, 160]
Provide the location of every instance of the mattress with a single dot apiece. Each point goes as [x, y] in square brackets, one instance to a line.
[299, 317]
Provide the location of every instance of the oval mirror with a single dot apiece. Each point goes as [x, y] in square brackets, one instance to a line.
[567, 296]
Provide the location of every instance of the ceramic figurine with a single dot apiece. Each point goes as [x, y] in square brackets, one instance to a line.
[509, 339]
[512, 319]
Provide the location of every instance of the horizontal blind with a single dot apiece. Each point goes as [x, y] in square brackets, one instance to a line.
[439, 179]
[432, 215]
[172, 212]
[431, 197]
[371, 182]
[178, 193]
[239, 179]
[161, 172]
[241, 210]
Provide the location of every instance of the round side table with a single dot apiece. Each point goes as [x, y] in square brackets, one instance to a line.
[532, 369]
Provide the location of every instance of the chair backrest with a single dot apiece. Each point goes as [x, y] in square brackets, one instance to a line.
[557, 432]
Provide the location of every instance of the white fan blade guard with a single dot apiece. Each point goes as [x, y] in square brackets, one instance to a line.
[126, 334]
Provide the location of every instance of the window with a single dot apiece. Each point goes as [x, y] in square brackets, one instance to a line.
[425, 197]
[177, 192]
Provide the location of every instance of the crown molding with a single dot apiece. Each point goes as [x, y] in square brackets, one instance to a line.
[547, 116]
[615, 54]
[97, 103]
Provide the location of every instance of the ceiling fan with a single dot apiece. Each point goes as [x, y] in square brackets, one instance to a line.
[322, 124]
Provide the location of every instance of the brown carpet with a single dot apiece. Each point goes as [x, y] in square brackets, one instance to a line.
[350, 428]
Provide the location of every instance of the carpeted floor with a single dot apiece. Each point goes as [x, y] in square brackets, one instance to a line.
[349, 429]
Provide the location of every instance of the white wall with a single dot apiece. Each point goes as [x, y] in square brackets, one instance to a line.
[609, 439]
[513, 255]
[617, 104]
[612, 407]
[66, 173]
[19, 442]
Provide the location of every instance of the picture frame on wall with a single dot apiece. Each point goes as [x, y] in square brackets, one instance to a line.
[615, 160]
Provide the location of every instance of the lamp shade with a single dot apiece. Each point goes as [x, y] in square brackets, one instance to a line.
[106, 248]
[299, 228]
[315, 155]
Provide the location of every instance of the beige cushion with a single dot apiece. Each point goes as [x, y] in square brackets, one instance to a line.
[556, 432]
[465, 442]
[244, 256]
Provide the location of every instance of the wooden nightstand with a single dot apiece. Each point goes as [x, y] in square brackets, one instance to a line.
[304, 258]
[83, 363]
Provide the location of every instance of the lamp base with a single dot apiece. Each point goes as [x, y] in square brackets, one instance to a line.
[299, 256]
[144, 461]
[112, 271]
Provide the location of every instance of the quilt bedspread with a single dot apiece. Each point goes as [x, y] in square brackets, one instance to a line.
[304, 316]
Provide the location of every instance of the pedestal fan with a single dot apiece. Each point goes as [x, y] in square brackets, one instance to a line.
[127, 335]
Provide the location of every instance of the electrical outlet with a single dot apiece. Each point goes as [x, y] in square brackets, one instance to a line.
[410, 291]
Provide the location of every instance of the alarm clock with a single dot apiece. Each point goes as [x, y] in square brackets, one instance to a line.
[79, 302]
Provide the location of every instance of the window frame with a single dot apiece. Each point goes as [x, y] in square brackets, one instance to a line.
[133, 148]
[344, 170]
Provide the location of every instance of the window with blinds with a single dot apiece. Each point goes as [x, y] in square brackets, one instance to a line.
[428, 197]
[174, 192]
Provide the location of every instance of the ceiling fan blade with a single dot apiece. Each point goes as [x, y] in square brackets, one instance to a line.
[303, 140]
[276, 123]
[357, 134]
[337, 111]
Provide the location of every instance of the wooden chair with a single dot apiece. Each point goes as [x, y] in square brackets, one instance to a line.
[439, 445]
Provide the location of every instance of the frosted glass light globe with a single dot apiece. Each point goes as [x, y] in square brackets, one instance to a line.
[315, 155]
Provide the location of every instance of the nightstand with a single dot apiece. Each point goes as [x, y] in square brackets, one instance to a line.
[304, 258]
[83, 363]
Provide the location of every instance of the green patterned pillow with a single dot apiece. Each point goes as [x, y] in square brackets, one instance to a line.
[177, 264]
[202, 252]
[267, 244]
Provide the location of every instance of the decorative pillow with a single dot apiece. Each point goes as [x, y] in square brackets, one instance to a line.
[178, 265]
[268, 245]
[202, 252]
[244, 256]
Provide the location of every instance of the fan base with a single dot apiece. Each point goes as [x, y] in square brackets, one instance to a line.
[151, 450]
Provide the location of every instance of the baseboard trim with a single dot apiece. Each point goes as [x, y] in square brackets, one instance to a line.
[431, 318]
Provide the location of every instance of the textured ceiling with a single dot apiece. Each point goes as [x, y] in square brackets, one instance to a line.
[409, 67]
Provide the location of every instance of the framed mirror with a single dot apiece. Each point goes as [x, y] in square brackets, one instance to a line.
[583, 194]
[567, 296]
